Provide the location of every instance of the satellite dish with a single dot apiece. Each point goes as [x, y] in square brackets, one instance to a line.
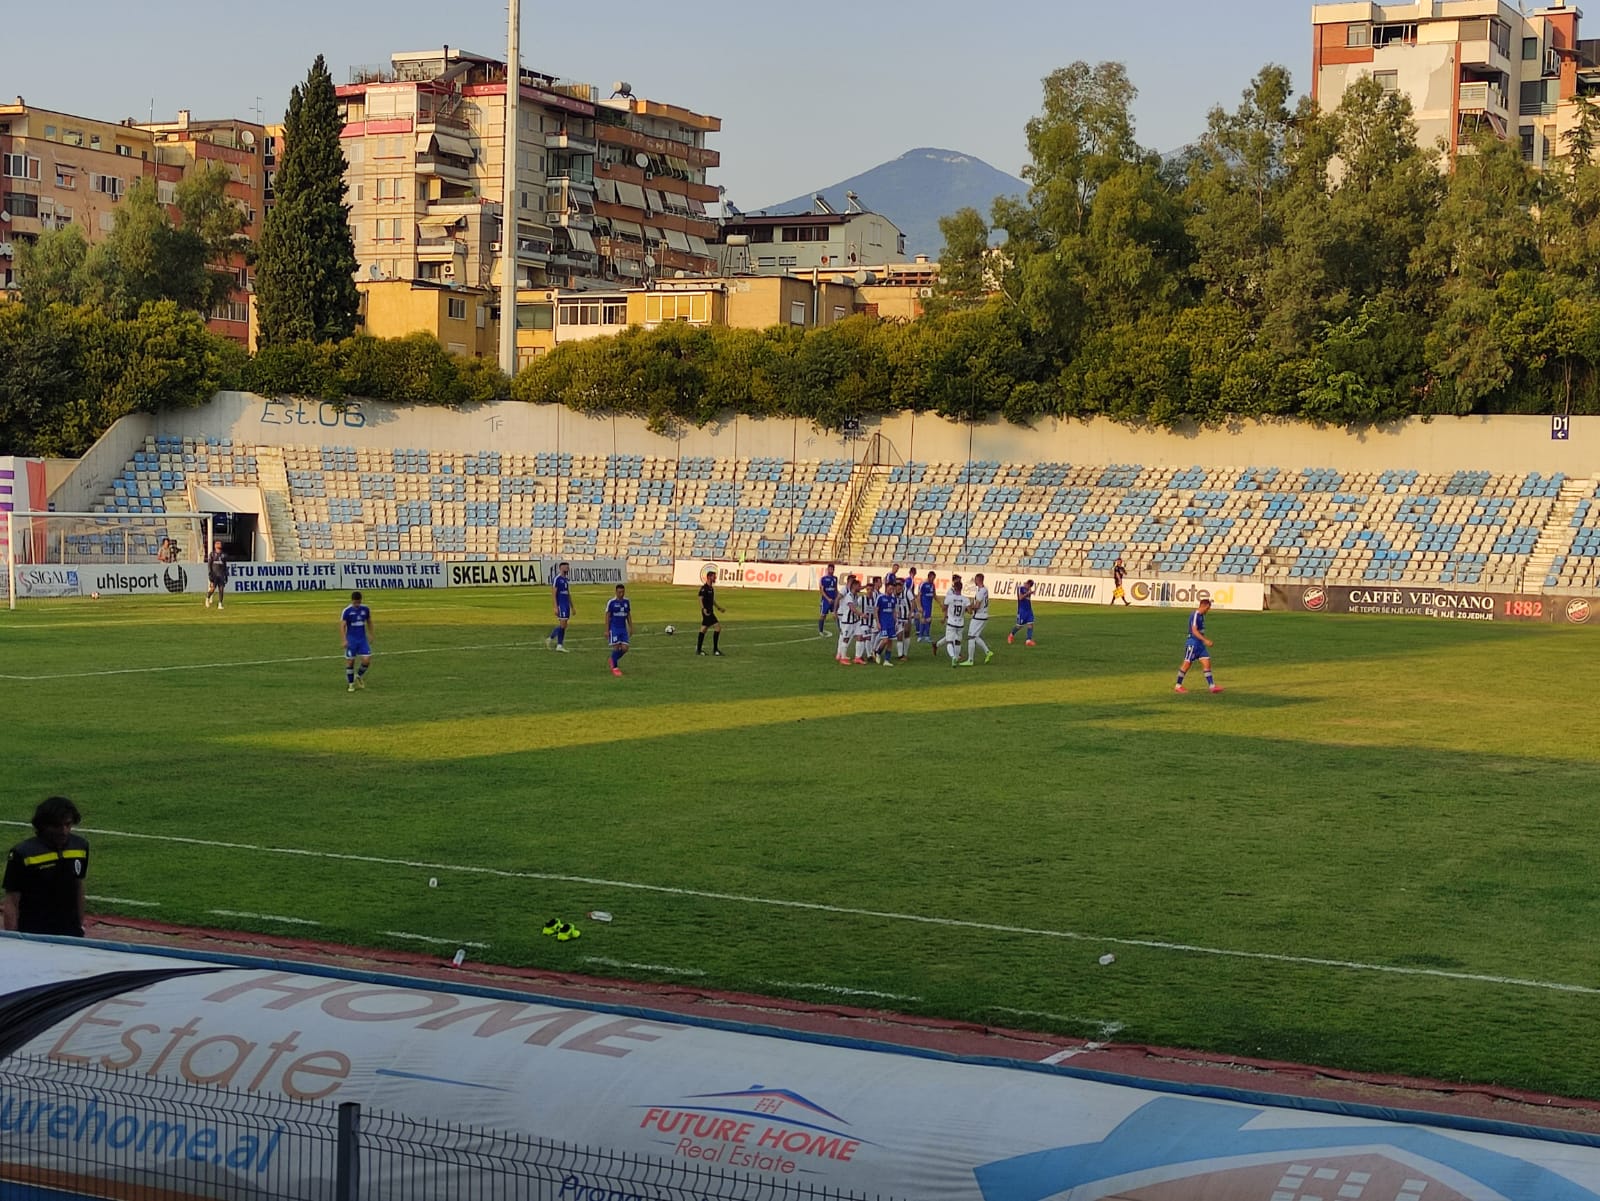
[247, 139]
[641, 160]
[680, 273]
[374, 272]
[650, 261]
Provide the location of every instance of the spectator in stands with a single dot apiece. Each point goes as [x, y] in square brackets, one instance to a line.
[44, 875]
[167, 552]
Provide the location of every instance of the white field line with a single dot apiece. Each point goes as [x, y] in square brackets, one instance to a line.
[265, 917]
[379, 655]
[123, 901]
[665, 968]
[1104, 1030]
[444, 942]
[838, 990]
[920, 919]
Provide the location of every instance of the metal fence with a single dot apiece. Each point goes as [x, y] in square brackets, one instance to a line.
[82, 1131]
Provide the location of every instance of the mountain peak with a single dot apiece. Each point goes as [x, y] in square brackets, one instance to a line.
[916, 189]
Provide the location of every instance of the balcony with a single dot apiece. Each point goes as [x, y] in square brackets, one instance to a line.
[443, 168]
[533, 249]
[576, 143]
[438, 250]
[574, 219]
[1484, 53]
[1484, 97]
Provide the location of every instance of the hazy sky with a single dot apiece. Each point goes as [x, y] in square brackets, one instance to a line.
[809, 94]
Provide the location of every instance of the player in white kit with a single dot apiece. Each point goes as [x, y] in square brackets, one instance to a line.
[978, 618]
[849, 615]
[955, 620]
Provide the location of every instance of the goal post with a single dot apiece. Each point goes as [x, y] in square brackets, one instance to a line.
[55, 555]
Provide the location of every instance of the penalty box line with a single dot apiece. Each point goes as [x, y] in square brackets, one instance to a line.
[426, 650]
[878, 914]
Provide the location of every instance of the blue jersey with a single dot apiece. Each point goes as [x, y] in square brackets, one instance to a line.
[563, 596]
[886, 621]
[830, 586]
[1197, 624]
[925, 593]
[356, 619]
[618, 611]
[1024, 605]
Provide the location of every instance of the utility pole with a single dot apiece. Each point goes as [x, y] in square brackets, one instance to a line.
[508, 207]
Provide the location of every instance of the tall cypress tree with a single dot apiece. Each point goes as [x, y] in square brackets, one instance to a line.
[306, 265]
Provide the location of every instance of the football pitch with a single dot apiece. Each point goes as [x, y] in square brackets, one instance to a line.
[1374, 851]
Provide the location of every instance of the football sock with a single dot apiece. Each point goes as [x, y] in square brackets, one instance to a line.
[700, 642]
[1210, 679]
[716, 640]
[350, 675]
[1180, 676]
[614, 658]
[974, 644]
[561, 635]
[361, 671]
[955, 652]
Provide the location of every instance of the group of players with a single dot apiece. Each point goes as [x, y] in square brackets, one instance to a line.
[880, 619]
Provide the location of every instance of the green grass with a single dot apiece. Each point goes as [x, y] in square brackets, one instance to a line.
[1400, 793]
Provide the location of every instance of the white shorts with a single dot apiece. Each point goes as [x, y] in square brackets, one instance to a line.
[955, 632]
[976, 629]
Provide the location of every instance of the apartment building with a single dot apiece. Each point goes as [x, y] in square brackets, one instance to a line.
[462, 317]
[611, 189]
[1468, 66]
[58, 168]
[823, 238]
[239, 147]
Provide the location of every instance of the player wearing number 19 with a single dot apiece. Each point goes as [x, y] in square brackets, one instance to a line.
[356, 625]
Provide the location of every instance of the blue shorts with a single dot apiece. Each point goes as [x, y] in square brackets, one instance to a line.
[927, 612]
[1195, 649]
[1024, 617]
[888, 626]
[828, 606]
[356, 647]
[619, 637]
[563, 610]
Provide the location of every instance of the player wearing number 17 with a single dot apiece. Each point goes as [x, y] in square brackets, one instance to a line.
[356, 624]
[1197, 647]
[619, 626]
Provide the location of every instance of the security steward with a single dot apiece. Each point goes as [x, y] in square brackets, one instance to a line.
[44, 879]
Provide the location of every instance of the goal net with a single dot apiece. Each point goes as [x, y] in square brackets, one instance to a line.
[54, 555]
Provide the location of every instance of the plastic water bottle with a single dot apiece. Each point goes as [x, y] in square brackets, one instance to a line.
[433, 881]
[599, 915]
[460, 957]
[1106, 960]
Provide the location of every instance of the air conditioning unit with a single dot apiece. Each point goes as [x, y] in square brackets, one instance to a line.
[925, 293]
[648, 175]
[449, 271]
[6, 250]
[494, 247]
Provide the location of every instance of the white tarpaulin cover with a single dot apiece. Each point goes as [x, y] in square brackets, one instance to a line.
[815, 1114]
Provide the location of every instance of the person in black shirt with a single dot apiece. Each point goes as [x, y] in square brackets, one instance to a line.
[44, 875]
[1118, 593]
[708, 617]
[216, 574]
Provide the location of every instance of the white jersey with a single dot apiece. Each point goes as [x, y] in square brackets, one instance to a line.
[980, 604]
[849, 609]
[955, 610]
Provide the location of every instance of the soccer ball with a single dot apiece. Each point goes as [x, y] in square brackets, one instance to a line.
[671, 630]
[94, 596]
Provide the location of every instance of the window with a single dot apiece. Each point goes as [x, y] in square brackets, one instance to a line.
[94, 141]
[20, 166]
[49, 133]
[1525, 135]
[1530, 50]
[166, 191]
[677, 306]
[788, 260]
[1537, 97]
[1388, 35]
[1358, 35]
[72, 137]
[124, 151]
[797, 312]
[535, 316]
[614, 312]
[458, 308]
[1389, 81]
[21, 204]
[108, 184]
[65, 179]
[838, 312]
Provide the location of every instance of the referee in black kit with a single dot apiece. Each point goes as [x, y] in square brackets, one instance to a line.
[708, 617]
[45, 875]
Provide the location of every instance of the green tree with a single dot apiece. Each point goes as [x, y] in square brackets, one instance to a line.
[146, 258]
[964, 263]
[305, 272]
[206, 212]
[50, 270]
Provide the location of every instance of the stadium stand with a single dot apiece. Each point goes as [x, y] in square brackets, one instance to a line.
[1253, 521]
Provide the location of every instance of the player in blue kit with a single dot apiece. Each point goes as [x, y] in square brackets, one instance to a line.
[619, 626]
[926, 591]
[888, 624]
[1024, 613]
[355, 623]
[828, 588]
[562, 587]
[1197, 647]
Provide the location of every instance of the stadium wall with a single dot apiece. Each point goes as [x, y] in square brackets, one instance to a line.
[86, 483]
[1443, 445]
